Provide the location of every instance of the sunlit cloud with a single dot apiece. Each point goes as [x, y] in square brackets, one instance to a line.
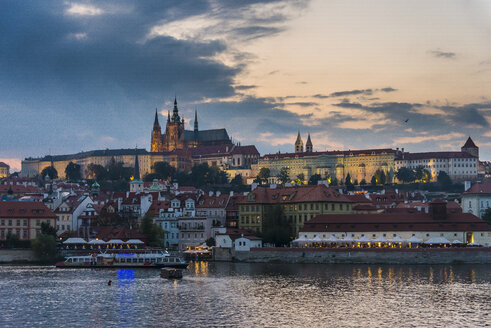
[419, 139]
[78, 9]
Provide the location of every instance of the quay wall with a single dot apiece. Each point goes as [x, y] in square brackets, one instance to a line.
[359, 256]
[17, 255]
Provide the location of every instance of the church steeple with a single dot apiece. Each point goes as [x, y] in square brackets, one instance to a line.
[156, 121]
[299, 144]
[308, 145]
[136, 174]
[195, 121]
[175, 113]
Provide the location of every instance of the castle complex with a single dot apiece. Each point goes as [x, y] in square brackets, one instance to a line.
[176, 137]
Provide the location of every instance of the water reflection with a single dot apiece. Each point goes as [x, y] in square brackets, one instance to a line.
[245, 295]
[126, 295]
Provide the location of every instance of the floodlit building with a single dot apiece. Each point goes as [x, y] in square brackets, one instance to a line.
[477, 199]
[404, 223]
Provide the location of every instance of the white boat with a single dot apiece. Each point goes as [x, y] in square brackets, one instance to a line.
[145, 259]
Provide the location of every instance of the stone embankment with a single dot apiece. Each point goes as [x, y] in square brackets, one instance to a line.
[17, 256]
[366, 256]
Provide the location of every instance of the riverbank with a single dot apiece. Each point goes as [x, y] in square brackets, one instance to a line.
[356, 255]
[21, 256]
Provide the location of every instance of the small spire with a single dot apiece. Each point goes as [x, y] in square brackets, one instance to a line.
[195, 120]
[168, 115]
[156, 121]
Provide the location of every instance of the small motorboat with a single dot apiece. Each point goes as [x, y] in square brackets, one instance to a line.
[171, 273]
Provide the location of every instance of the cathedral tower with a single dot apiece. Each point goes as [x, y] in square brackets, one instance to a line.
[470, 148]
[308, 145]
[299, 144]
[156, 140]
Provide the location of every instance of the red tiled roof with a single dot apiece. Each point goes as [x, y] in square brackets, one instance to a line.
[19, 189]
[469, 144]
[296, 194]
[335, 152]
[16, 209]
[359, 198]
[365, 207]
[233, 202]
[395, 220]
[435, 154]
[219, 150]
[479, 188]
[237, 233]
[245, 150]
[157, 206]
[206, 201]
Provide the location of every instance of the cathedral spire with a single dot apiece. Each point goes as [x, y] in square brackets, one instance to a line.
[195, 120]
[136, 175]
[175, 113]
[156, 121]
[168, 116]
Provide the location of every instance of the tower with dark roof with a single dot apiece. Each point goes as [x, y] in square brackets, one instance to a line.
[299, 144]
[470, 148]
[308, 145]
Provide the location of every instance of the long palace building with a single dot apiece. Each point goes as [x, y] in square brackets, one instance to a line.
[179, 147]
[362, 164]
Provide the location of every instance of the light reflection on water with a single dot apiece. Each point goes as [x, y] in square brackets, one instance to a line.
[244, 295]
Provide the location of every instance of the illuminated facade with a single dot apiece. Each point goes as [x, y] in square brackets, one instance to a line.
[300, 204]
[176, 137]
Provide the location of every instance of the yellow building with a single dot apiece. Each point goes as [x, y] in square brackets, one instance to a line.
[4, 170]
[299, 203]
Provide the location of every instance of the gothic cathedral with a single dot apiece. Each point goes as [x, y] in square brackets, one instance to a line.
[176, 137]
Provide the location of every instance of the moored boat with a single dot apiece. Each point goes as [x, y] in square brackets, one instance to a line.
[151, 259]
[171, 273]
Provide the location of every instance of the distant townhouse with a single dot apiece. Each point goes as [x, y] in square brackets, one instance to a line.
[68, 212]
[24, 219]
[477, 199]
[212, 206]
[237, 239]
[300, 204]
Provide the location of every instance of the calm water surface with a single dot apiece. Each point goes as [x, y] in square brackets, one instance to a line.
[247, 295]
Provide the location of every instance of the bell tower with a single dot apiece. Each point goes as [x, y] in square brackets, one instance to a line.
[308, 145]
[299, 144]
[156, 140]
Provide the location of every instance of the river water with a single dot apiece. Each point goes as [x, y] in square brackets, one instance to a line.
[248, 295]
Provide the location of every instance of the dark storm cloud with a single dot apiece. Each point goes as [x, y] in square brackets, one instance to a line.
[304, 104]
[90, 77]
[470, 114]
[443, 54]
[347, 93]
[351, 93]
[254, 32]
[245, 87]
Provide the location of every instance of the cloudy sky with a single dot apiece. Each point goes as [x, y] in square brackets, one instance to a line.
[83, 75]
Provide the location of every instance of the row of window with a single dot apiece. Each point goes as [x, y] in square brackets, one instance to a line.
[17, 232]
[183, 235]
[295, 207]
[10, 222]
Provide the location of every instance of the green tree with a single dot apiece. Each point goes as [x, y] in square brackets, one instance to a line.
[164, 170]
[300, 178]
[264, 174]
[334, 181]
[210, 242]
[373, 182]
[11, 241]
[363, 182]
[51, 171]
[72, 172]
[237, 180]
[380, 177]
[47, 229]
[97, 172]
[117, 171]
[275, 227]
[443, 179]
[314, 178]
[199, 174]
[152, 232]
[405, 175]
[348, 181]
[44, 247]
[284, 175]
[487, 216]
